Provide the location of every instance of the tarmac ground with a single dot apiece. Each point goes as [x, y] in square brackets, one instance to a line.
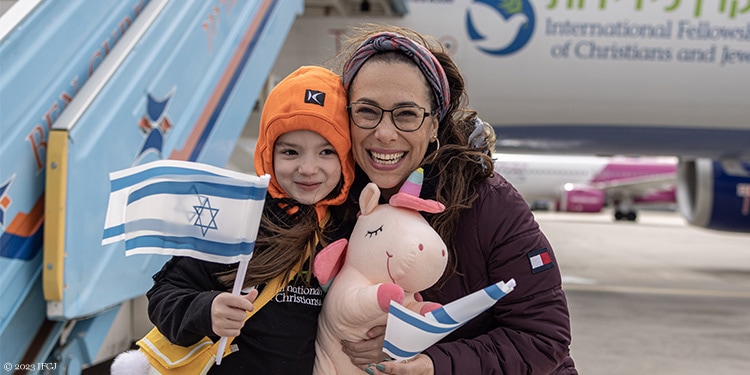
[656, 296]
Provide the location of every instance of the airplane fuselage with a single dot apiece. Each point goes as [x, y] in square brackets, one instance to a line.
[588, 183]
[602, 78]
[646, 78]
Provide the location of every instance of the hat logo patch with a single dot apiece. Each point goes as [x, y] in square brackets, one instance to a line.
[315, 97]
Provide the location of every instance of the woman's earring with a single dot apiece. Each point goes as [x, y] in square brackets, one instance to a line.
[435, 139]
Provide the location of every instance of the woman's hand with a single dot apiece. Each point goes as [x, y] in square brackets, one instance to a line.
[368, 355]
[228, 312]
[419, 365]
[368, 351]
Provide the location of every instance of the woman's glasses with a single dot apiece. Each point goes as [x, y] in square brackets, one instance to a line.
[406, 118]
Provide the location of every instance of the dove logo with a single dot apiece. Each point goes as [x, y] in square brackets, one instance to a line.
[500, 27]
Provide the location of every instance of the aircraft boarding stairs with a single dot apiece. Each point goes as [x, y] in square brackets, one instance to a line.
[91, 87]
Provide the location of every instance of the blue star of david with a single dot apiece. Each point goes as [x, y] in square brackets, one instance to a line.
[205, 208]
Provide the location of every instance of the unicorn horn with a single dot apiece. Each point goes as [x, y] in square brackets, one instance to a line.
[413, 184]
[408, 195]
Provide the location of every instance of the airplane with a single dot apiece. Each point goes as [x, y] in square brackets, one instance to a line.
[642, 78]
[580, 183]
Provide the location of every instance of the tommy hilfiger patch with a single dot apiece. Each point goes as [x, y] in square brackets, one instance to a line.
[540, 260]
[315, 97]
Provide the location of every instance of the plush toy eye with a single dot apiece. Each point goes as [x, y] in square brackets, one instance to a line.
[371, 233]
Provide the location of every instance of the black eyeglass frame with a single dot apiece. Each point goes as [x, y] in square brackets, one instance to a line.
[393, 120]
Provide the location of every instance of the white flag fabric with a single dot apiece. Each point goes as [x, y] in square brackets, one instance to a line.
[407, 333]
[185, 208]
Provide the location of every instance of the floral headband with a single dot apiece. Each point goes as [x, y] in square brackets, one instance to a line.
[428, 64]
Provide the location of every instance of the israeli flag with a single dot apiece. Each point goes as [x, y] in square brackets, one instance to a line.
[185, 208]
[407, 333]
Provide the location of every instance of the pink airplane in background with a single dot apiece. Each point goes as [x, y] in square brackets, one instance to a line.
[589, 183]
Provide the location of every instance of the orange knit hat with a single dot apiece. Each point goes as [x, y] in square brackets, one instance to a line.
[310, 98]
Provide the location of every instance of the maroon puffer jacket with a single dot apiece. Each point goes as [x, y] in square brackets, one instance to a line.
[526, 332]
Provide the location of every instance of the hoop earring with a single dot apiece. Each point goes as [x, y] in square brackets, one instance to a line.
[435, 138]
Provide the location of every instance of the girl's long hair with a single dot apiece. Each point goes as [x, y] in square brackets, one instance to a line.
[287, 230]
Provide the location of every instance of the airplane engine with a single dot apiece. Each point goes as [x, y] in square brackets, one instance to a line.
[715, 195]
[581, 198]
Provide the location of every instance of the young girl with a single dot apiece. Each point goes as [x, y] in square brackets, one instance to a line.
[304, 145]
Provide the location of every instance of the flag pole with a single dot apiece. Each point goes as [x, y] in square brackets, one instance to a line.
[238, 281]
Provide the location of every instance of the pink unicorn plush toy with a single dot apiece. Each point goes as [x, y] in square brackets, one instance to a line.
[392, 254]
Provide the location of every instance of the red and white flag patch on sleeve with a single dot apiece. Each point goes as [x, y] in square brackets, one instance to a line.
[540, 260]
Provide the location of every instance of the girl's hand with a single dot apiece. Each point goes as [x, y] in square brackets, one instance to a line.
[228, 312]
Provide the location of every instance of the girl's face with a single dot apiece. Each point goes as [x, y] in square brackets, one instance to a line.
[306, 166]
[386, 154]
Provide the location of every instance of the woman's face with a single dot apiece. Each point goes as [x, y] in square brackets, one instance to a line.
[385, 153]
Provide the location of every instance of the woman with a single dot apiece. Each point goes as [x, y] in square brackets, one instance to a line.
[406, 108]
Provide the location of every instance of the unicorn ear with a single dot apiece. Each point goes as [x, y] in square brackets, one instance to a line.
[328, 261]
[368, 199]
[416, 203]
